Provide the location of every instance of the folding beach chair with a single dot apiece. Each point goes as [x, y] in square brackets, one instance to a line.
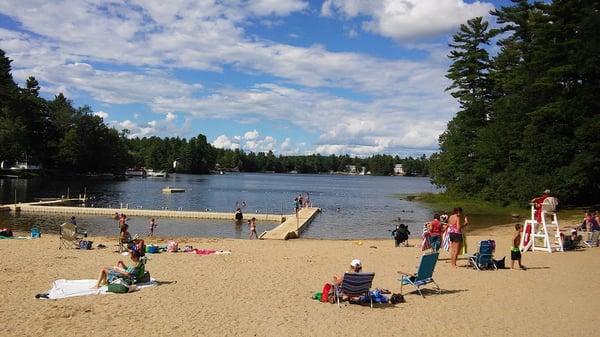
[355, 285]
[484, 259]
[69, 235]
[593, 241]
[424, 273]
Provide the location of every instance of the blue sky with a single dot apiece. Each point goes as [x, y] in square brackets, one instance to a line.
[292, 76]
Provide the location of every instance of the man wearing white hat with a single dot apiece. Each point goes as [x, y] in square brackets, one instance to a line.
[355, 267]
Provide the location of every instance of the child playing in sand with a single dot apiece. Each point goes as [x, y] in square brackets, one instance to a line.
[515, 252]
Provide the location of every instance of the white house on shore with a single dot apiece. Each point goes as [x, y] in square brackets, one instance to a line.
[398, 170]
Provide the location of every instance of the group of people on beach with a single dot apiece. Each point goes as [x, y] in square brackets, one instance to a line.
[449, 227]
[448, 231]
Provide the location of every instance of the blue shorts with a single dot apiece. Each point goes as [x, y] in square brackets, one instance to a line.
[435, 242]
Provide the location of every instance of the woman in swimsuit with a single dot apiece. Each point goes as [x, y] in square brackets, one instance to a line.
[455, 228]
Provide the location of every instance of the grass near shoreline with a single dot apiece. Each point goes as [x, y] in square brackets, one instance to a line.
[442, 201]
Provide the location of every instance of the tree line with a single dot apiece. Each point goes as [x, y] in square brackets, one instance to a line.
[529, 114]
[72, 140]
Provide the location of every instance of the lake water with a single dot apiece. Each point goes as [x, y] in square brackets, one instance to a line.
[353, 206]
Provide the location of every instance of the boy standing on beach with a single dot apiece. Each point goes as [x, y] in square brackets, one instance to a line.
[515, 252]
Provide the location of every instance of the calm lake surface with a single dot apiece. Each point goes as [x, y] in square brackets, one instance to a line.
[367, 206]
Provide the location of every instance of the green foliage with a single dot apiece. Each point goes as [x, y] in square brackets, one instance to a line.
[54, 133]
[541, 111]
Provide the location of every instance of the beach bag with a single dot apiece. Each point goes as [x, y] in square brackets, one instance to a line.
[500, 264]
[397, 298]
[327, 291]
[119, 286]
[144, 279]
[172, 247]
[35, 232]
[84, 244]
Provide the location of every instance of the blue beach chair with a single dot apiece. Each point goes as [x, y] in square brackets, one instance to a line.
[484, 259]
[424, 274]
[355, 285]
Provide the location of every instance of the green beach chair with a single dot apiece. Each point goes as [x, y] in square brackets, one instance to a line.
[424, 274]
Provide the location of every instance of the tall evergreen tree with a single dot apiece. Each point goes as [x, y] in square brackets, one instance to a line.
[471, 86]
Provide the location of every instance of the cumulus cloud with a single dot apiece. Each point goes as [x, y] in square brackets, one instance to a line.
[255, 142]
[163, 127]
[223, 142]
[402, 104]
[408, 20]
[101, 114]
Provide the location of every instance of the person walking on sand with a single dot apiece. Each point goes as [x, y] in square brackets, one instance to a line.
[455, 228]
[252, 225]
[152, 227]
[515, 252]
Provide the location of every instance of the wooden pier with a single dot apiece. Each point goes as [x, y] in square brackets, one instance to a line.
[290, 225]
[51, 207]
[293, 225]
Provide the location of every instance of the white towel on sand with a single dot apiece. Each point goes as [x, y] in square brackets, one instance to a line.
[70, 288]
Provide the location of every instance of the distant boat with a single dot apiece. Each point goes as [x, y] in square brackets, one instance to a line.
[135, 173]
[172, 190]
[152, 173]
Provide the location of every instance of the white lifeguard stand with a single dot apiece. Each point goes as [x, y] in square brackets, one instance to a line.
[537, 236]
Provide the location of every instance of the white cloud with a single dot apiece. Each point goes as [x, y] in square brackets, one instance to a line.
[102, 114]
[164, 127]
[250, 141]
[402, 104]
[170, 117]
[251, 135]
[408, 20]
[223, 142]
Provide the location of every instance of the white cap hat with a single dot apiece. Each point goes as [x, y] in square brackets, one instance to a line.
[547, 191]
[355, 263]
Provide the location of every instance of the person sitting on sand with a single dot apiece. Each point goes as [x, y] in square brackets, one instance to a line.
[107, 275]
[589, 223]
[355, 267]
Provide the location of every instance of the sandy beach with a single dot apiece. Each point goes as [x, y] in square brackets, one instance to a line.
[264, 288]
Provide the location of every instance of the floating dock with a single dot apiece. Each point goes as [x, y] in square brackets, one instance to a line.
[290, 228]
[293, 225]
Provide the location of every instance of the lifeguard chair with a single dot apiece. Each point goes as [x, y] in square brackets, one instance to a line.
[542, 236]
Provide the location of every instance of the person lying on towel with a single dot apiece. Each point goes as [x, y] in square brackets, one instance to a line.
[107, 275]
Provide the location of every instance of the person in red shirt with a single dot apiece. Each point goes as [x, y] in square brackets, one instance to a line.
[537, 205]
[435, 232]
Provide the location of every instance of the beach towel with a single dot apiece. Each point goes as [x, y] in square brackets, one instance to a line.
[425, 243]
[446, 241]
[202, 251]
[71, 288]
